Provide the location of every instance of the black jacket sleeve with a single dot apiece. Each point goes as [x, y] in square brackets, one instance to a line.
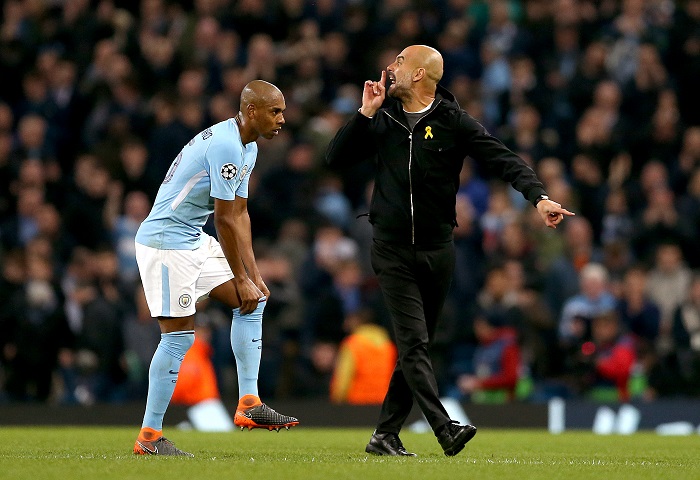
[500, 161]
[353, 143]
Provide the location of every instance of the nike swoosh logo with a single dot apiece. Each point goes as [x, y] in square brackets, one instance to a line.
[173, 373]
[152, 452]
[256, 340]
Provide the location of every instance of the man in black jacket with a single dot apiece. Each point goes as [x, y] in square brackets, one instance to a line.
[419, 144]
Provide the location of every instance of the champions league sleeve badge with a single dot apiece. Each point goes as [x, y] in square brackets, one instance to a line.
[228, 171]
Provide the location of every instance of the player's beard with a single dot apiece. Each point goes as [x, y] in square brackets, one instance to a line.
[397, 91]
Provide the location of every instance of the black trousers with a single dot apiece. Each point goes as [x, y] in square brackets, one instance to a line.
[414, 282]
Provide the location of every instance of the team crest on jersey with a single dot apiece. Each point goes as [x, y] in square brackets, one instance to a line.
[228, 171]
[244, 170]
[185, 300]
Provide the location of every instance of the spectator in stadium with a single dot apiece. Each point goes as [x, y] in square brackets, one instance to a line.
[516, 245]
[637, 312]
[687, 161]
[172, 250]
[34, 328]
[668, 285]
[562, 276]
[419, 143]
[496, 364]
[590, 71]
[132, 169]
[329, 269]
[616, 224]
[469, 257]
[593, 299]
[500, 213]
[684, 58]
[166, 136]
[365, 361]
[473, 187]
[84, 214]
[23, 226]
[659, 138]
[680, 371]
[497, 302]
[285, 191]
[659, 222]
[606, 360]
[689, 208]
[96, 372]
[123, 228]
[330, 202]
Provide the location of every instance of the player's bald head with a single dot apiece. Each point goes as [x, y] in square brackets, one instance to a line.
[423, 56]
[259, 93]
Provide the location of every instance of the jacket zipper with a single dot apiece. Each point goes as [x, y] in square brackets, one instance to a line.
[410, 180]
[410, 161]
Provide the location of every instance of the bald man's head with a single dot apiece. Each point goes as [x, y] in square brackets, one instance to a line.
[423, 56]
[259, 93]
[262, 108]
[417, 68]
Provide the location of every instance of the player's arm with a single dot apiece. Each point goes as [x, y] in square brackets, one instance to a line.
[504, 163]
[233, 230]
[245, 243]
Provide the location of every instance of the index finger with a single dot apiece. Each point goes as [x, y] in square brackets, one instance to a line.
[383, 79]
[563, 211]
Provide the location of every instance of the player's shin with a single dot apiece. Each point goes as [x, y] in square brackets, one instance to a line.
[246, 341]
[162, 375]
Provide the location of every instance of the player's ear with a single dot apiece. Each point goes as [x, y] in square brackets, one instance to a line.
[418, 74]
[250, 111]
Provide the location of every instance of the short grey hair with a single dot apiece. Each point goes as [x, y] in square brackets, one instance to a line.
[594, 271]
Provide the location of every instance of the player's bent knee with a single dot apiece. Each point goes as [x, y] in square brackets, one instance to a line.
[176, 324]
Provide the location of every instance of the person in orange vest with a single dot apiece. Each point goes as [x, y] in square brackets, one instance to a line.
[365, 363]
[196, 384]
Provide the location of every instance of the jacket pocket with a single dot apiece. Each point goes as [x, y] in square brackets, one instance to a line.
[438, 145]
[436, 158]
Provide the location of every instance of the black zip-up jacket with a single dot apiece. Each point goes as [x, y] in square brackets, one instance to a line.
[417, 173]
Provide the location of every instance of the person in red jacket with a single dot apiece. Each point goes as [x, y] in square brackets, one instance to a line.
[496, 362]
[610, 356]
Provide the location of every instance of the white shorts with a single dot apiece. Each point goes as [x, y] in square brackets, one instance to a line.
[174, 280]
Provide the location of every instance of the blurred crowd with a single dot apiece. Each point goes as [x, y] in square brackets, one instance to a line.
[600, 97]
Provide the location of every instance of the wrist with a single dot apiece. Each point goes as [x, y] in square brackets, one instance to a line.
[256, 278]
[540, 198]
[240, 279]
[366, 112]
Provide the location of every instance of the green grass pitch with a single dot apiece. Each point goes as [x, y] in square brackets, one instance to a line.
[72, 453]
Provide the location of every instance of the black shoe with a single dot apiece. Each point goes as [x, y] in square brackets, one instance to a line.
[387, 444]
[453, 437]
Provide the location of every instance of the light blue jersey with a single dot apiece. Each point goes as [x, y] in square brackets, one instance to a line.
[214, 164]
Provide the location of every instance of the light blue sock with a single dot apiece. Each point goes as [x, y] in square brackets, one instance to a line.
[246, 341]
[162, 375]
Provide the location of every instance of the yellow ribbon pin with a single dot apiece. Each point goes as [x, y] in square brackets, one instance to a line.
[428, 132]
